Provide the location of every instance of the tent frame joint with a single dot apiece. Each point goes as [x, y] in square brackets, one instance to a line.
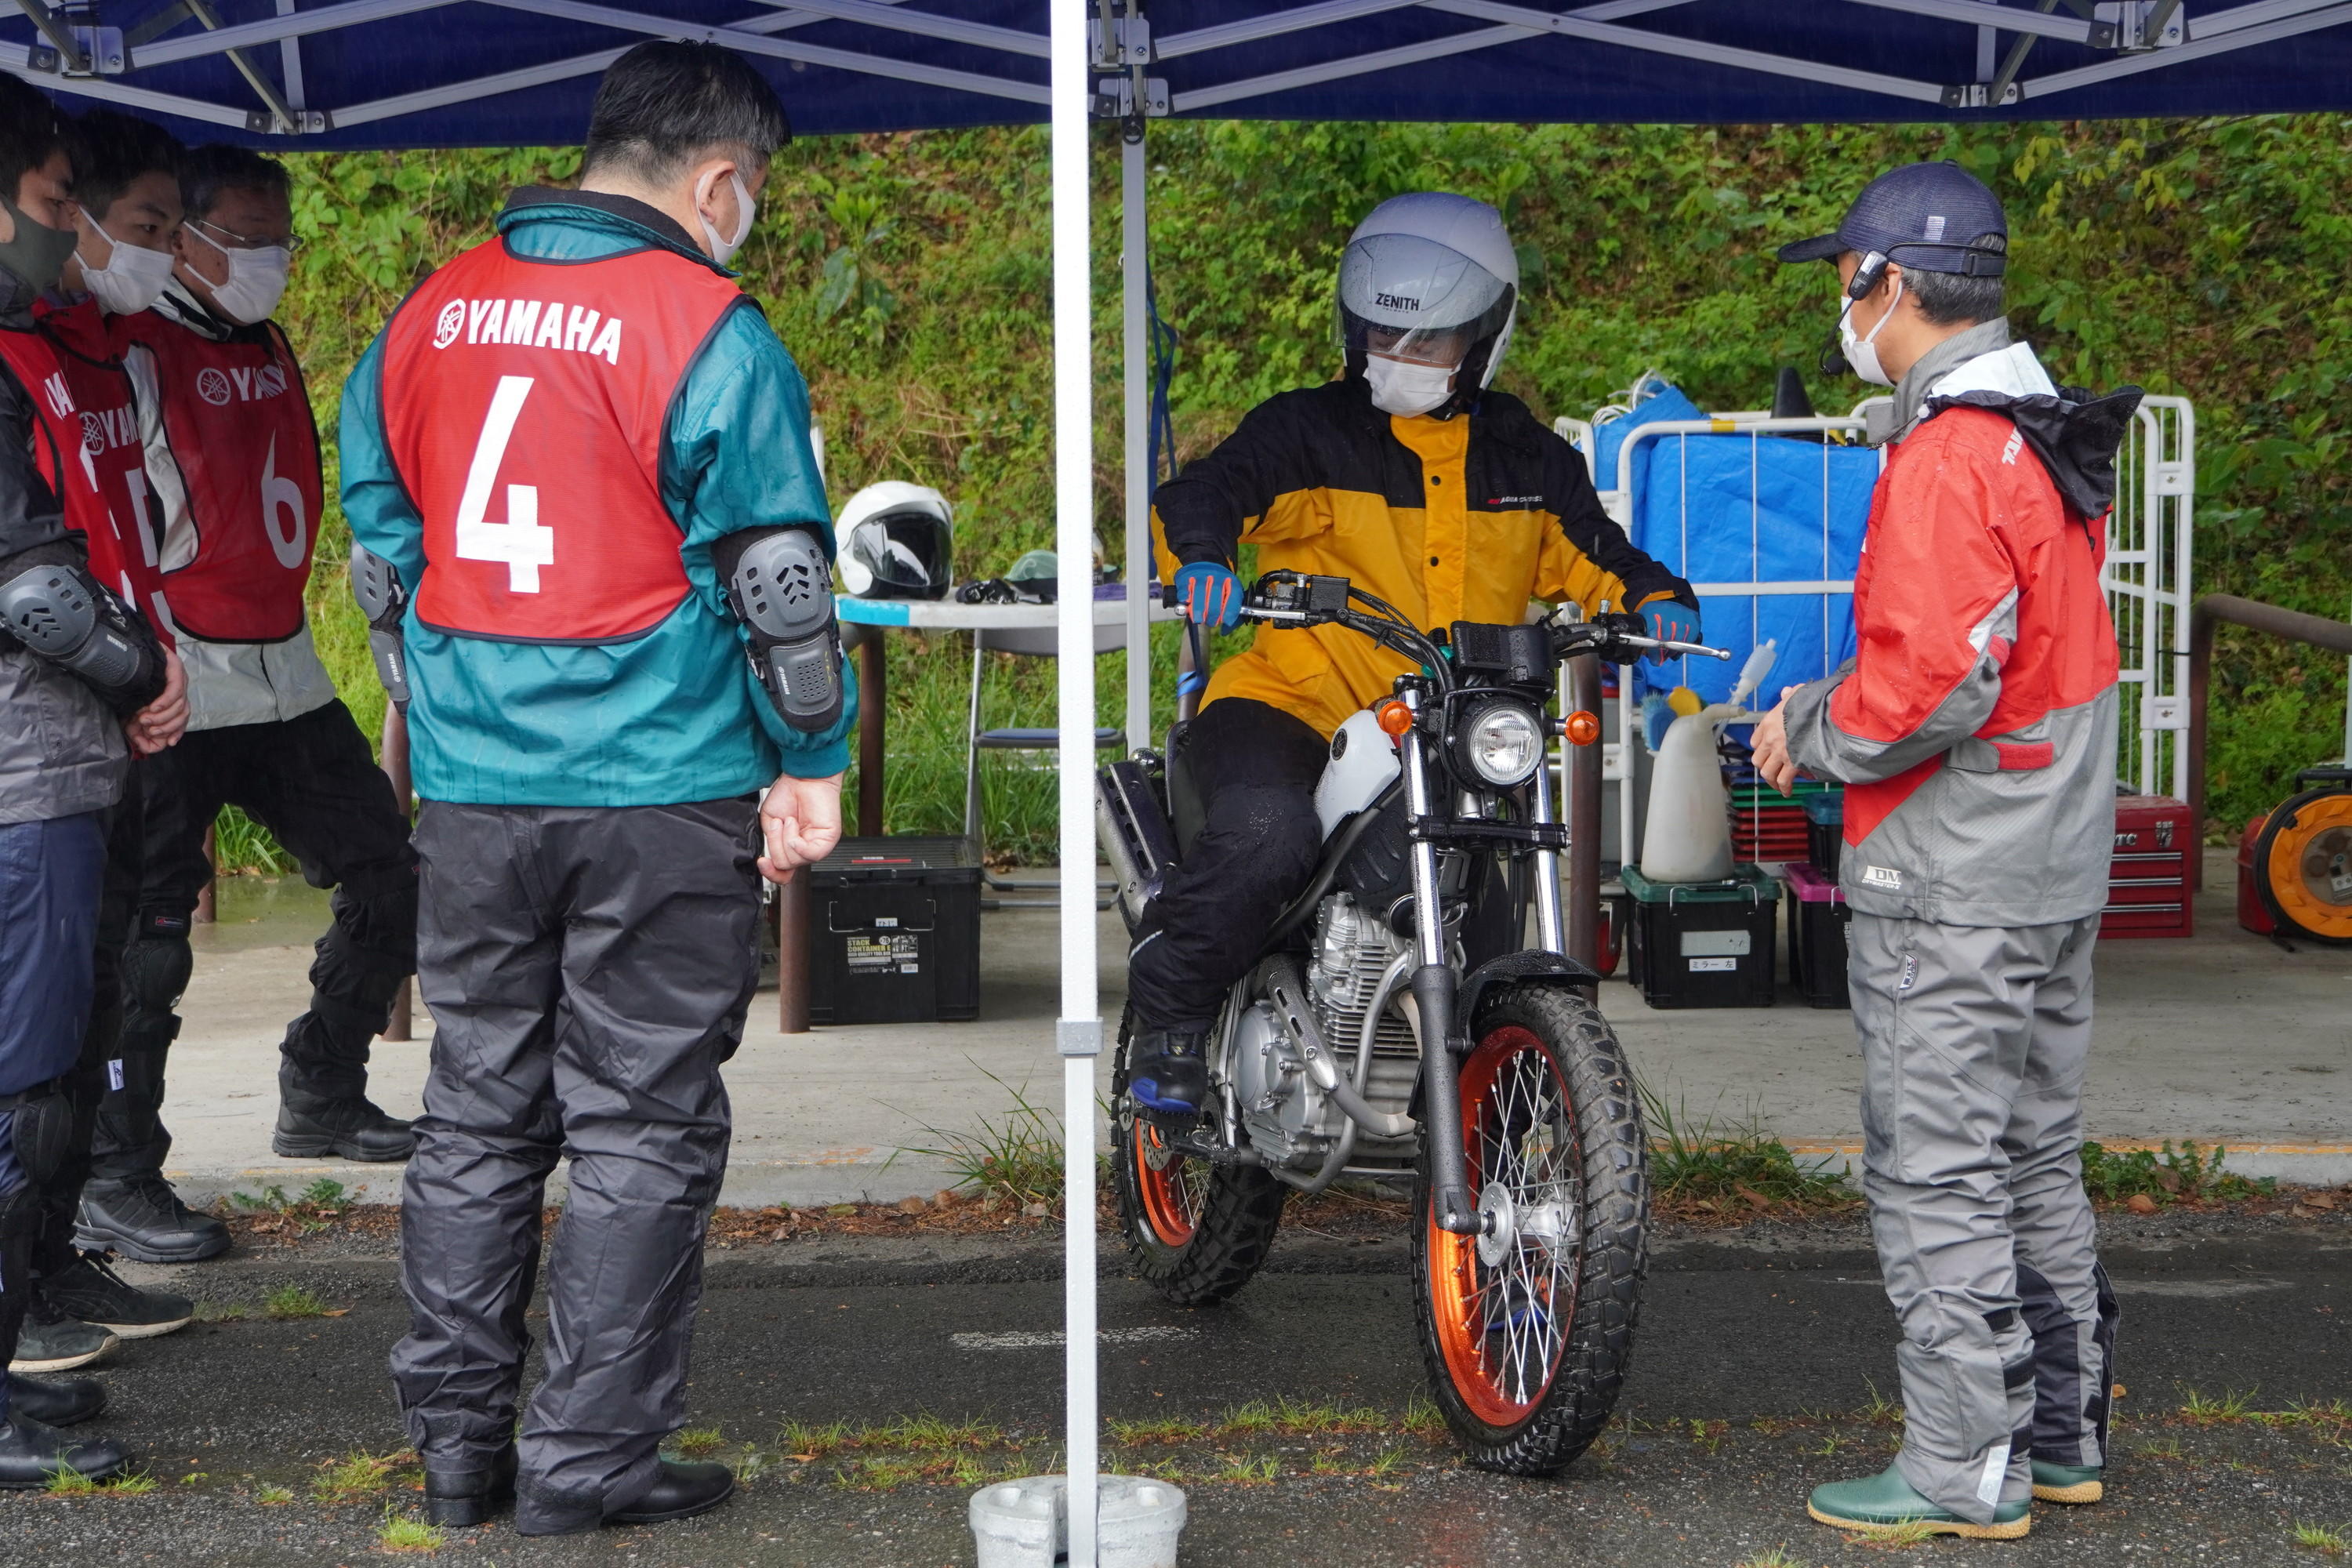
[73, 48]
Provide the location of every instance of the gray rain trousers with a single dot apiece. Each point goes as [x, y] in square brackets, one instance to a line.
[588, 971]
[1974, 1042]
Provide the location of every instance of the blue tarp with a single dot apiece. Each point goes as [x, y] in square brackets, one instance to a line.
[1743, 509]
[523, 73]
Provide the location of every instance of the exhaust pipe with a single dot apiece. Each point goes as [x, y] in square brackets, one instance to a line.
[1132, 826]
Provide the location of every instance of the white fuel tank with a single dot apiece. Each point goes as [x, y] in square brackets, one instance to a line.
[1363, 761]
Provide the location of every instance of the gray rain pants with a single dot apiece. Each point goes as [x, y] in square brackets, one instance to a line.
[588, 971]
[1974, 1041]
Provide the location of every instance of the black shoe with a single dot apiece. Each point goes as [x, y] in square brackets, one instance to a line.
[354, 1128]
[89, 1290]
[144, 1220]
[31, 1454]
[680, 1490]
[66, 1403]
[51, 1341]
[461, 1499]
[684, 1489]
[1170, 1080]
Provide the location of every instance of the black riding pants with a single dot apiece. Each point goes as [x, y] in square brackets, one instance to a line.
[1255, 767]
[313, 781]
[588, 972]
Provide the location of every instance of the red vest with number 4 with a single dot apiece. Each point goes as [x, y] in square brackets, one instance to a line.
[238, 421]
[523, 406]
[106, 494]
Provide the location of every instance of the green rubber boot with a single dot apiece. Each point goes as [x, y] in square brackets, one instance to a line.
[2067, 1483]
[1884, 1504]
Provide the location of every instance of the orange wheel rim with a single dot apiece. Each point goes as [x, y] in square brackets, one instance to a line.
[1170, 1183]
[2310, 868]
[1504, 1308]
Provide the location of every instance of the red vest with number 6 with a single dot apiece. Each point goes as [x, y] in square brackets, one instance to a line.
[238, 421]
[523, 406]
[106, 494]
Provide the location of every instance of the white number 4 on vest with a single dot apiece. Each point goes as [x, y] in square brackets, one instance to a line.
[520, 541]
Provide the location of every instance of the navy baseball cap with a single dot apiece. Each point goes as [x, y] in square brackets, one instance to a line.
[1935, 217]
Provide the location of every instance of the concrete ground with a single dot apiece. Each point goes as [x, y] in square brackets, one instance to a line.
[2223, 1037]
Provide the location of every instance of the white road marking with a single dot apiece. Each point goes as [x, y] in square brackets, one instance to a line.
[1044, 1339]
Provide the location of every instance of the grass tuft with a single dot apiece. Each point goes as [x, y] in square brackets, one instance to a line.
[2167, 1176]
[296, 1302]
[1734, 1170]
[133, 1483]
[273, 1496]
[1016, 1157]
[801, 1440]
[1777, 1558]
[1256, 1472]
[357, 1475]
[219, 1312]
[1131, 1433]
[403, 1534]
[67, 1482]
[1424, 1420]
[694, 1442]
[1896, 1537]
[314, 1208]
[2320, 1539]
[2230, 1409]
[1297, 1417]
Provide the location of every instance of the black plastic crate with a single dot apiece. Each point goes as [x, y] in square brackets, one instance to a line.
[894, 932]
[1825, 830]
[1703, 944]
[1818, 918]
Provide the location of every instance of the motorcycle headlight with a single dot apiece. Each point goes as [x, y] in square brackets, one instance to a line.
[1503, 745]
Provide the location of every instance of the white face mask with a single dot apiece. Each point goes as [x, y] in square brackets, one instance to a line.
[131, 279]
[1405, 386]
[723, 251]
[1862, 353]
[256, 279]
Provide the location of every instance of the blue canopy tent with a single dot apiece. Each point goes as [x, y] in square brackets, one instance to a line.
[298, 74]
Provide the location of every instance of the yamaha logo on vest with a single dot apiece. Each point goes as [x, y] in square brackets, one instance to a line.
[61, 401]
[217, 386]
[103, 429]
[531, 325]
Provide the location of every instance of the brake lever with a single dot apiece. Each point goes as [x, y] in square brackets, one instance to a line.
[1683, 648]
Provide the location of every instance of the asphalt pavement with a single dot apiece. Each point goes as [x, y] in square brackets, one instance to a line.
[1762, 1357]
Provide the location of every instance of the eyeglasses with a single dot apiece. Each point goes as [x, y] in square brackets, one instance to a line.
[231, 240]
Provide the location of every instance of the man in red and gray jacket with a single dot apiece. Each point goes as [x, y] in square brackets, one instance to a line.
[1975, 732]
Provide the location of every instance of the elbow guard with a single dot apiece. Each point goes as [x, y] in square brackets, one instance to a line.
[780, 586]
[382, 597]
[62, 616]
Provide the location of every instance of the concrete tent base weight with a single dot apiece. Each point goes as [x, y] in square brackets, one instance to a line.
[1026, 1523]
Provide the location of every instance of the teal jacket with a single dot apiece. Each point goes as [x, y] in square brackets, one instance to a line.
[673, 716]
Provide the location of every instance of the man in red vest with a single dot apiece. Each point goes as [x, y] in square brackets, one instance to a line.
[128, 196]
[590, 538]
[232, 459]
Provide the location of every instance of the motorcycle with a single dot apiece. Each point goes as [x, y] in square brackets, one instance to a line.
[1393, 1027]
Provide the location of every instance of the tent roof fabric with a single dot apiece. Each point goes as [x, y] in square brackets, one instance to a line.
[325, 74]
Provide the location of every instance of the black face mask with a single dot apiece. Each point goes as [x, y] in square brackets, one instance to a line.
[35, 255]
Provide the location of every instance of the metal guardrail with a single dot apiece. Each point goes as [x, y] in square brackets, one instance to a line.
[2216, 610]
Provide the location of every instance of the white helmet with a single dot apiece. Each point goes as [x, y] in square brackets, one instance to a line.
[895, 541]
[1430, 278]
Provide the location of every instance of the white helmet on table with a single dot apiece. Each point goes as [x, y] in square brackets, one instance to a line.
[1429, 288]
[895, 541]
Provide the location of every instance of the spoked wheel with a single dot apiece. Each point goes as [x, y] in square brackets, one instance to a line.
[1197, 1231]
[1527, 1329]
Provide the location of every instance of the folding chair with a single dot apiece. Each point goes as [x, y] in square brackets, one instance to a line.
[1023, 642]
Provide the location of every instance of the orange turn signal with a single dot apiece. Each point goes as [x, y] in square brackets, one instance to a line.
[1395, 717]
[1583, 728]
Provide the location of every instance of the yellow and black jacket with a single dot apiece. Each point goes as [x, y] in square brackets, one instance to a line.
[1461, 519]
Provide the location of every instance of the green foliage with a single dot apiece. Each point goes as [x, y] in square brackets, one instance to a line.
[1732, 1170]
[2167, 1176]
[910, 274]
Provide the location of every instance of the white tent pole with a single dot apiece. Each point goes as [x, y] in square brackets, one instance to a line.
[1079, 1033]
[1135, 272]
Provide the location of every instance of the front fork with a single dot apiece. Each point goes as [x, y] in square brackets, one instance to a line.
[1433, 984]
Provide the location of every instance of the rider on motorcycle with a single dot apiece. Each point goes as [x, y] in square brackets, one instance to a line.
[1415, 480]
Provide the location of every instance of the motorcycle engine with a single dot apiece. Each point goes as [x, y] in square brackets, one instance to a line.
[1291, 1121]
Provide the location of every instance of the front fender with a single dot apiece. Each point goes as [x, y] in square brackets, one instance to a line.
[1533, 964]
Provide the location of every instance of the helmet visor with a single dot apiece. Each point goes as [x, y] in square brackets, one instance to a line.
[1403, 297]
[905, 554]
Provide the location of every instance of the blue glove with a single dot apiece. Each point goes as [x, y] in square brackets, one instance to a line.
[1210, 595]
[1670, 621]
